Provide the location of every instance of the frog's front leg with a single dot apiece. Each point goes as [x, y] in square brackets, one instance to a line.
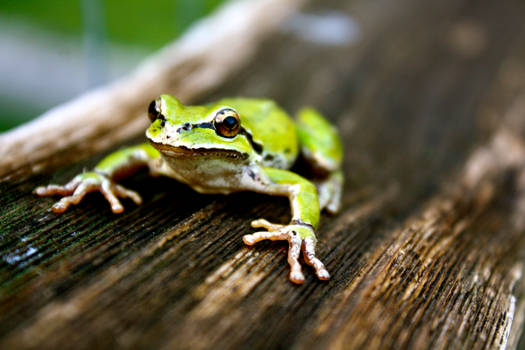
[117, 164]
[305, 218]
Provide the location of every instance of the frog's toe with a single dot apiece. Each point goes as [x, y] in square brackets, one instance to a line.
[112, 191]
[266, 224]
[276, 232]
[116, 206]
[262, 235]
[62, 205]
[125, 193]
[80, 191]
[51, 190]
[312, 260]
[294, 250]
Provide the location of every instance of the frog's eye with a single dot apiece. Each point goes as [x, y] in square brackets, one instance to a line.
[227, 122]
[154, 110]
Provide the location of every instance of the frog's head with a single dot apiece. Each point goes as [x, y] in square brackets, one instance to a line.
[190, 131]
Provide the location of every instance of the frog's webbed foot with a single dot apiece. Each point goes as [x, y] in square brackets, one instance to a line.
[298, 237]
[81, 185]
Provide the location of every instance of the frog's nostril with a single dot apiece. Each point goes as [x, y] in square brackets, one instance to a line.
[185, 127]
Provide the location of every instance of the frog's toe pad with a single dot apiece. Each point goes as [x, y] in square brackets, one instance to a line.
[311, 259]
[297, 277]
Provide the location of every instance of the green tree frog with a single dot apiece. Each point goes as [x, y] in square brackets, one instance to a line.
[235, 144]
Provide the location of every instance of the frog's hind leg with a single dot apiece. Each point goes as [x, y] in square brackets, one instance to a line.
[329, 191]
[300, 232]
[322, 148]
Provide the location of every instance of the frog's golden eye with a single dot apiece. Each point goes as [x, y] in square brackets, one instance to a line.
[154, 110]
[227, 122]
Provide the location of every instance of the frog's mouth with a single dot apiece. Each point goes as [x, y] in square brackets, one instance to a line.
[184, 152]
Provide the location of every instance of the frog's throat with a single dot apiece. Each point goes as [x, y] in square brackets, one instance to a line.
[184, 152]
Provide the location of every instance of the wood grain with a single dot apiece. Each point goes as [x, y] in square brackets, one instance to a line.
[427, 253]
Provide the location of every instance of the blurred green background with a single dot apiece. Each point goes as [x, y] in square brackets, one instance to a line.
[53, 50]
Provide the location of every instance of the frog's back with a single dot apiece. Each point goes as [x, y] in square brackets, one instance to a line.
[270, 126]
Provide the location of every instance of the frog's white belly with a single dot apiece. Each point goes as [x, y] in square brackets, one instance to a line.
[206, 174]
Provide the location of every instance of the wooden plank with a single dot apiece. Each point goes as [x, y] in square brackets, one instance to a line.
[428, 251]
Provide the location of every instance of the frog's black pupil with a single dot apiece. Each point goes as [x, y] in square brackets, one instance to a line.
[230, 122]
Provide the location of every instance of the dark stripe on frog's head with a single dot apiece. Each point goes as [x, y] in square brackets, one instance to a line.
[256, 147]
[189, 126]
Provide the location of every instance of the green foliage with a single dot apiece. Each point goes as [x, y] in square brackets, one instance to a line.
[148, 24]
[57, 15]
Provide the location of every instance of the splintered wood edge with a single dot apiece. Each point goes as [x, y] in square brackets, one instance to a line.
[198, 61]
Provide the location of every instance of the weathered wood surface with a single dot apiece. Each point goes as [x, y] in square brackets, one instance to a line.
[428, 251]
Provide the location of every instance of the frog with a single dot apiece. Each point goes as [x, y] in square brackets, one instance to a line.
[232, 145]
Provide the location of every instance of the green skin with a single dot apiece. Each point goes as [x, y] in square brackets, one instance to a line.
[186, 143]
